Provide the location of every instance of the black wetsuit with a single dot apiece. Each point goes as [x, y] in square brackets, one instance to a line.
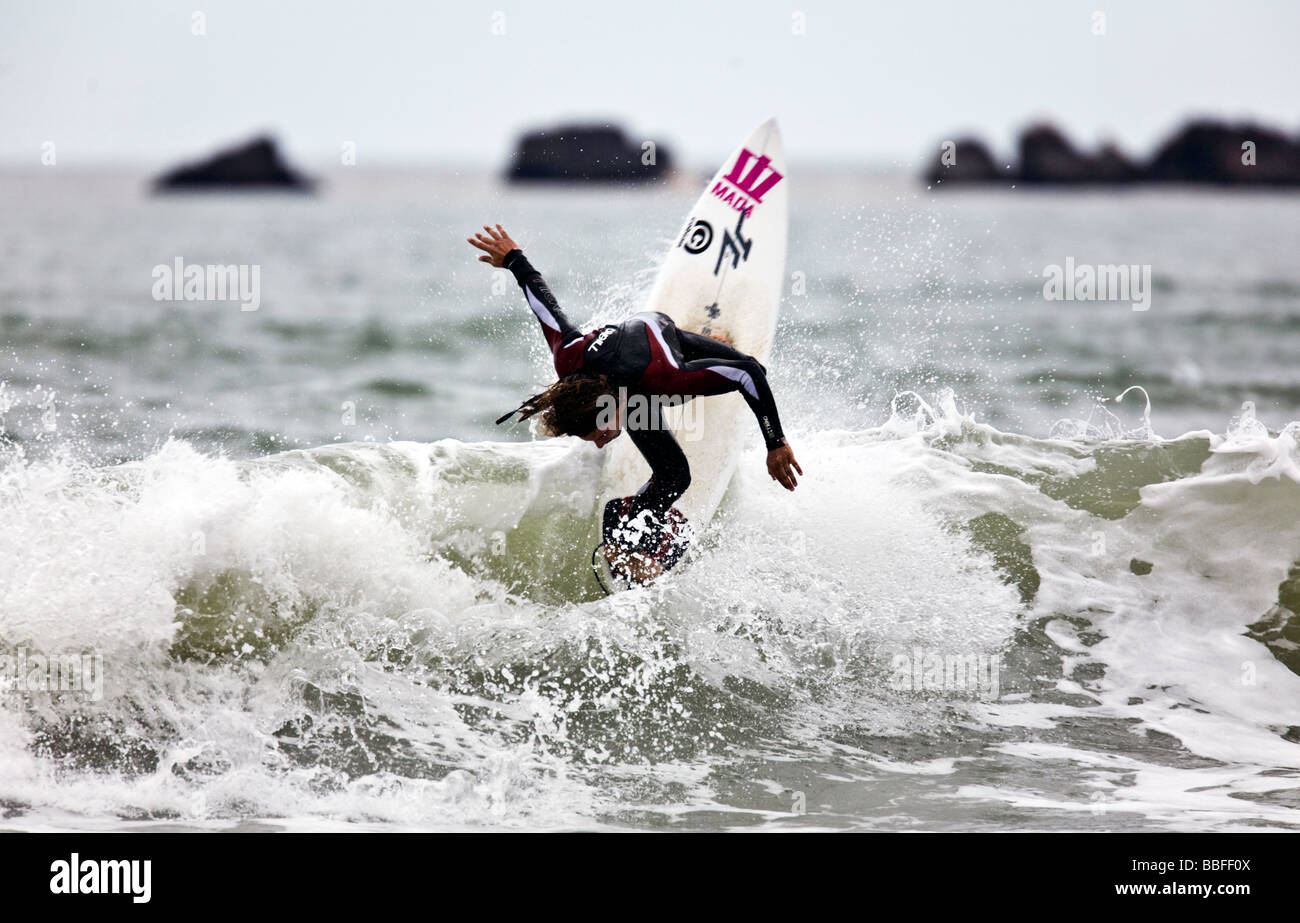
[649, 356]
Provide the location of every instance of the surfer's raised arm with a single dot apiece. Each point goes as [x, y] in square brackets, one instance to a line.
[564, 339]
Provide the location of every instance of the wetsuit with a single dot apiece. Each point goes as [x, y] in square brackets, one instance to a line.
[648, 355]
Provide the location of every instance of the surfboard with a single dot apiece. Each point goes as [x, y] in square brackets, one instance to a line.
[723, 276]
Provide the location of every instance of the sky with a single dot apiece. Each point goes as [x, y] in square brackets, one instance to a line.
[881, 84]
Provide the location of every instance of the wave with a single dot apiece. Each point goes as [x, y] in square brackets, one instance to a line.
[409, 634]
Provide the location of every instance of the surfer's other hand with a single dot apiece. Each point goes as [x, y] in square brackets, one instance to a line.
[495, 244]
[781, 465]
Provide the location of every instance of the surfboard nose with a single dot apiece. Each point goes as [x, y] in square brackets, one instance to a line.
[768, 136]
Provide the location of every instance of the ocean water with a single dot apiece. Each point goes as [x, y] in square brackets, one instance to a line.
[323, 591]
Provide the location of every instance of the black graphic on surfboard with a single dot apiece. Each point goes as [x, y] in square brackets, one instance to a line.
[697, 236]
[737, 246]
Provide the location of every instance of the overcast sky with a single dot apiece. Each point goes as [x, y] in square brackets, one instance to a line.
[873, 83]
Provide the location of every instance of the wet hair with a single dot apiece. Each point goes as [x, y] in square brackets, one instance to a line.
[570, 407]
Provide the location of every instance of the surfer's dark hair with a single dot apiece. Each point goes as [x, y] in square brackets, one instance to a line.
[570, 407]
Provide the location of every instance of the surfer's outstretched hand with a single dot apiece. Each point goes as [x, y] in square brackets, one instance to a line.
[781, 465]
[496, 243]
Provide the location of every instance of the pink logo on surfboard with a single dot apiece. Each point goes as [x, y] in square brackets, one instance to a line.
[752, 178]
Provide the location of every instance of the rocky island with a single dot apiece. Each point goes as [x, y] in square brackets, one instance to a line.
[1204, 152]
[254, 165]
[586, 153]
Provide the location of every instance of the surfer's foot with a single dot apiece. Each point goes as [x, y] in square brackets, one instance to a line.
[633, 565]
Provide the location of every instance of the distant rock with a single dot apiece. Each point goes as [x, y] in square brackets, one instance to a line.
[255, 165]
[1047, 157]
[584, 153]
[1201, 152]
[1111, 166]
[1211, 152]
[968, 161]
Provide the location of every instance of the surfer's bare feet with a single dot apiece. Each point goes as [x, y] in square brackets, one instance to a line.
[632, 565]
[495, 244]
[781, 465]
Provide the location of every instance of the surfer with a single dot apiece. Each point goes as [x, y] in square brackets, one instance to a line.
[648, 362]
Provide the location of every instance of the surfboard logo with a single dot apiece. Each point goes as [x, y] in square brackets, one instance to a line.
[714, 311]
[697, 236]
[736, 247]
[752, 176]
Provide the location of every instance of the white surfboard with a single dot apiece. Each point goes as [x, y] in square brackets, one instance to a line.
[723, 276]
